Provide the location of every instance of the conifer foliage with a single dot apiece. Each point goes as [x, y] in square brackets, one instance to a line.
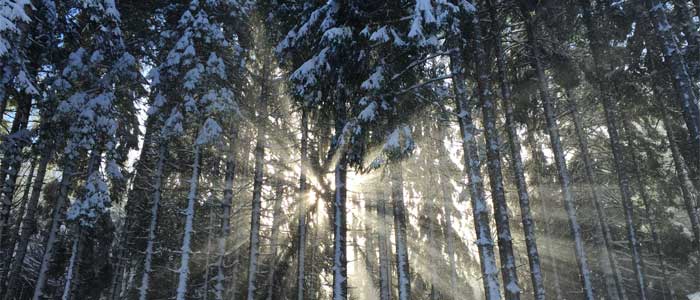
[347, 149]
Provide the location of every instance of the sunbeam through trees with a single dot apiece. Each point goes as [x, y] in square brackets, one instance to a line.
[349, 149]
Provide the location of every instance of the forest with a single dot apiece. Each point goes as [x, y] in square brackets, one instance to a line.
[349, 149]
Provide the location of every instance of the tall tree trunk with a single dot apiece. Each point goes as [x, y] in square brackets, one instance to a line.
[679, 68]
[517, 164]
[258, 180]
[151, 239]
[340, 269]
[277, 218]
[229, 176]
[649, 211]
[687, 188]
[185, 251]
[509, 273]
[120, 265]
[71, 270]
[447, 207]
[432, 241]
[384, 252]
[402, 265]
[301, 203]
[692, 37]
[608, 261]
[255, 216]
[560, 160]
[10, 166]
[541, 195]
[128, 254]
[472, 166]
[28, 224]
[207, 259]
[14, 234]
[370, 236]
[57, 215]
[626, 195]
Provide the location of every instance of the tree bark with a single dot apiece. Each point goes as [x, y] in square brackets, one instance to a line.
[258, 179]
[150, 242]
[384, 252]
[277, 218]
[301, 202]
[402, 262]
[28, 224]
[72, 269]
[340, 271]
[626, 195]
[10, 166]
[472, 166]
[14, 234]
[517, 164]
[447, 207]
[679, 68]
[608, 261]
[184, 271]
[226, 204]
[618, 156]
[540, 171]
[560, 161]
[56, 217]
[649, 211]
[687, 188]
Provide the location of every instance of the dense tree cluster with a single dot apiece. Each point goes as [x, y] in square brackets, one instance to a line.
[345, 149]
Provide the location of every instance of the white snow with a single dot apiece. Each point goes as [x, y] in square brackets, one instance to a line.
[369, 113]
[381, 35]
[375, 80]
[209, 132]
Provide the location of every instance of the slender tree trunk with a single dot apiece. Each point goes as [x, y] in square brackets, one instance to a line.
[608, 261]
[277, 217]
[431, 243]
[255, 215]
[692, 37]
[28, 225]
[649, 211]
[150, 242]
[687, 188]
[538, 160]
[258, 181]
[225, 216]
[301, 202]
[447, 207]
[402, 265]
[14, 235]
[679, 69]
[184, 271]
[9, 170]
[340, 263]
[626, 195]
[493, 156]
[517, 164]
[563, 171]
[207, 260]
[370, 236]
[120, 262]
[56, 217]
[71, 270]
[384, 262]
[472, 166]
